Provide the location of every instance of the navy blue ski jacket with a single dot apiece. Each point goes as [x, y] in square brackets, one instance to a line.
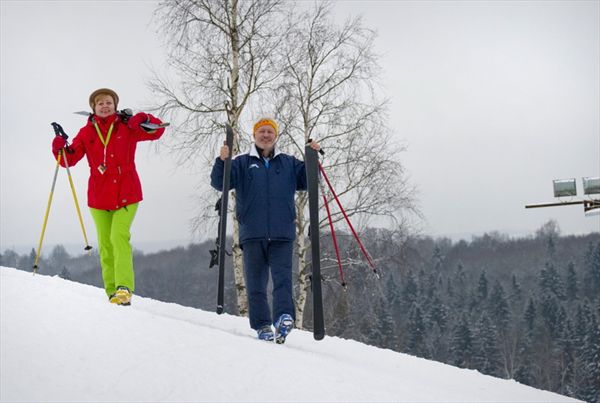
[264, 193]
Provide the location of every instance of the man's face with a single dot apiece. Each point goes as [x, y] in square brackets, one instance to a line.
[265, 137]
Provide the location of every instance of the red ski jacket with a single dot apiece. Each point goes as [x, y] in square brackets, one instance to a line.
[114, 181]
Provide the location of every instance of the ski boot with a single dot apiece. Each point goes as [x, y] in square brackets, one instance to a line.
[265, 333]
[283, 327]
[113, 299]
[123, 295]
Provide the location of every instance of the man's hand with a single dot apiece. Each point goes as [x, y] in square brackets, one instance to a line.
[224, 153]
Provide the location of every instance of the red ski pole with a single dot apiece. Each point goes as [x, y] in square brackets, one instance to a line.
[333, 237]
[362, 248]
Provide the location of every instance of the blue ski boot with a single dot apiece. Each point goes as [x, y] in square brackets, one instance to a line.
[283, 327]
[265, 333]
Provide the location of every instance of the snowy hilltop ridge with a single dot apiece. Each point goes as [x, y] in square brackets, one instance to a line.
[63, 341]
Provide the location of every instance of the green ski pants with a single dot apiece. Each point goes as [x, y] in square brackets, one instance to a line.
[116, 256]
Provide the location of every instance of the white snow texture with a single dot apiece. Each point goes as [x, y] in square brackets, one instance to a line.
[63, 341]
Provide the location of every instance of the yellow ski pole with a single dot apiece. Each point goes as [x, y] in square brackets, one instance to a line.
[39, 249]
[87, 244]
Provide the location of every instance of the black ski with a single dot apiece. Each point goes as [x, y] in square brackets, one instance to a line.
[223, 221]
[311, 163]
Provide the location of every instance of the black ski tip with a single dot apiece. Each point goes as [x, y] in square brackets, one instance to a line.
[318, 336]
[219, 309]
[229, 137]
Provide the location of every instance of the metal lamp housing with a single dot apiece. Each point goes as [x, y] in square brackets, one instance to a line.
[591, 185]
[564, 187]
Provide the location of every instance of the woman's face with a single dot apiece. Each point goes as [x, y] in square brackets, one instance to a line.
[104, 106]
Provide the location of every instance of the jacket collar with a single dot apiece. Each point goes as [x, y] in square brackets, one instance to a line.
[104, 123]
[254, 152]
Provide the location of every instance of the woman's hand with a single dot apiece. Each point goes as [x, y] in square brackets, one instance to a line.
[58, 144]
[135, 121]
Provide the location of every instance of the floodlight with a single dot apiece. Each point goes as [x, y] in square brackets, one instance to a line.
[591, 185]
[564, 187]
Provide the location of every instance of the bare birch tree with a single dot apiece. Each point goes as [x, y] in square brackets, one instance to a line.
[330, 95]
[231, 56]
[222, 53]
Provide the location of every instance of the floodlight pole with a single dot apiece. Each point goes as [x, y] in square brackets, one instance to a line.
[554, 204]
[587, 204]
[566, 187]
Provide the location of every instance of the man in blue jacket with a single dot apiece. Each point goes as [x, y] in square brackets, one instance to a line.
[265, 182]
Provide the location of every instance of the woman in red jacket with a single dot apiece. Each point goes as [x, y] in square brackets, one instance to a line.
[114, 189]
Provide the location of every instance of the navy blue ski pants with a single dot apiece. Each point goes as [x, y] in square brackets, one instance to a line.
[260, 258]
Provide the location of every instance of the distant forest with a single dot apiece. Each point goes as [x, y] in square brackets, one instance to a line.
[526, 309]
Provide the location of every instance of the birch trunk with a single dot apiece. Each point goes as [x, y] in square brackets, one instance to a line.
[302, 246]
[234, 114]
[238, 267]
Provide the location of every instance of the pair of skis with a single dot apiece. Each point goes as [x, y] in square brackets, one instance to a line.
[311, 163]
[127, 113]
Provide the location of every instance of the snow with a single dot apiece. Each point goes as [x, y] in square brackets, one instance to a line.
[62, 341]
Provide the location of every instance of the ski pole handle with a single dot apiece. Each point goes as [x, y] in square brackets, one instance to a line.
[58, 130]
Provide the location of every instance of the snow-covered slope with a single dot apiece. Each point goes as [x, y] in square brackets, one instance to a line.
[63, 341]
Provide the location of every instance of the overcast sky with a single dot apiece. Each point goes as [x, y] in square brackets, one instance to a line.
[494, 100]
